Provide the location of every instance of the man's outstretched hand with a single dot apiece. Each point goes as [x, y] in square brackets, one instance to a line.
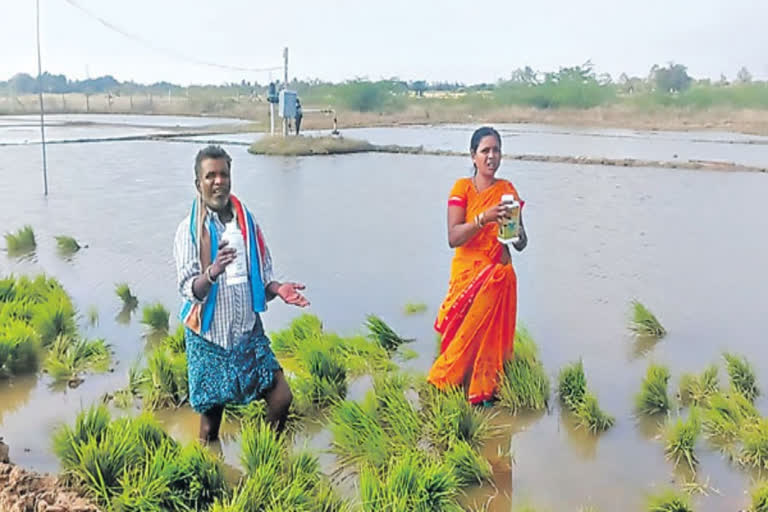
[290, 294]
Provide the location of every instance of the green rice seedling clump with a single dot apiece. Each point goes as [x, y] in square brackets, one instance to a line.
[67, 244]
[696, 389]
[726, 414]
[69, 357]
[742, 376]
[449, 418]
[645, 323]
[669, 501]
[754, 445]
[155, 316]
[21, 242]
[759, 496]
[165, 380]
[468, 466]
[652, 397]
[525, 384]
[382, 333]
[124, 292]
[572, 385]
[591, 417]
[680, 439]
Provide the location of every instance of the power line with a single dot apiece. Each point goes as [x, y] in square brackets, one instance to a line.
[169, 51]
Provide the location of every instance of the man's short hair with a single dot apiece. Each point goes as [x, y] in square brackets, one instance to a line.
[214, 152]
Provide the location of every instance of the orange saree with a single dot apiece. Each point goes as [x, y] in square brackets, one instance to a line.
[477, 318]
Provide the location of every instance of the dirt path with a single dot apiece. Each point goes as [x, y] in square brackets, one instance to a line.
[26, 491]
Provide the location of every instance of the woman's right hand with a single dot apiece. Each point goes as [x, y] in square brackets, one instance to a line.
[495, 213]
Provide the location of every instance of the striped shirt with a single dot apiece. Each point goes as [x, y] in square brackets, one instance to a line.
[233, 315]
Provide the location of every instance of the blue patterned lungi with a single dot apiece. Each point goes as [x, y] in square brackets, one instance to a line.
[241, 375]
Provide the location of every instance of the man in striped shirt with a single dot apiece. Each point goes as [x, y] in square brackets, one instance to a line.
[229, 356]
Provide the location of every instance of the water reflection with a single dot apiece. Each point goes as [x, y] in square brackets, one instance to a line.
[583, 442]
[15, 393]
[125, 314]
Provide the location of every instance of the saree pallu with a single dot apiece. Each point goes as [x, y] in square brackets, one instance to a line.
[477, 318]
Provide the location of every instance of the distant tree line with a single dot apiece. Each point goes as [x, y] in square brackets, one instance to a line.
[575, 87]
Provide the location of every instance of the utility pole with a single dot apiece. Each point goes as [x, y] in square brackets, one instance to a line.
[285, 86]
[42, 106]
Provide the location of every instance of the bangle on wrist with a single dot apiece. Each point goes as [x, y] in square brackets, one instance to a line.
[208, 276]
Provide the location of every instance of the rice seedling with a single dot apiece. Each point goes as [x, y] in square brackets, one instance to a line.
[358, 436]
[652, 397]
[525, 384]
[407, 354]
[165, 380]
[759, 496]
[176, 342]
[7, 292]
[261, 448]
[669, 501]
[725, 415]
[591, 417]
[572, 385]
[253, 412]
[409, 482]
[124, 292]
[67, 245]
[398, 416]
[19, 348]
[89, 424]
[23, 241]
[645, 323]
[93, 316]
[413, 308]
[754, 445]
[448, 418]
[304, 327]
[468, 466]
[54, 318]
[147, 487]
[155, 316]
[696, 389]
[742, 376]
[383, 334]
[680, 439]
[69, 357]
[328, 376]
[200, 480]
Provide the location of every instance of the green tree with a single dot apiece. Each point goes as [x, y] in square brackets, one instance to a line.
[673, 78]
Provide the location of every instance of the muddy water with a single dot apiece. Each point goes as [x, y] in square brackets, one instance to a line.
[367, 234]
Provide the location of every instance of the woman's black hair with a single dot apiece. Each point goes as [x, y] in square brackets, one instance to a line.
[481, 132]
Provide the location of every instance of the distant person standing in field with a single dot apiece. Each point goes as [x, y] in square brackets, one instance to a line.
[299, 115]
[229, 357]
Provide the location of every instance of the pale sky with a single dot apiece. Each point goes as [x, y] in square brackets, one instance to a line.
[445, 40]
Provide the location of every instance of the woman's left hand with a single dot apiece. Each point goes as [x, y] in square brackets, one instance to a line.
[290, 294]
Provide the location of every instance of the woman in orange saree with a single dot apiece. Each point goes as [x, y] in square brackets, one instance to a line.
[477, 318]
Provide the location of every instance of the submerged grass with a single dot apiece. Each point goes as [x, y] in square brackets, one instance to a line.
[680, 439]
[413, 308]
[653, 398]
[155, 316]
[669, 501]
[696, 389]
[645, 323]
[70, 357]
[23, 241]
[742, 376]
[525, 384]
